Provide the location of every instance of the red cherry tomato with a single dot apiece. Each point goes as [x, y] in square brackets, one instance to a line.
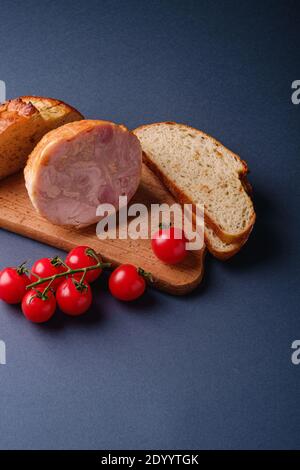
[126, 282]
[74, 298]
[83, 257]
[38, 307]
[46, 267]
[13, 282]
[169, 245]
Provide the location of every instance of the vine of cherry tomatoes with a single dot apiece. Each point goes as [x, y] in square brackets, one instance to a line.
[53, 282]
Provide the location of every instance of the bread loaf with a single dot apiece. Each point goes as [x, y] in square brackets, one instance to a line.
[23, 122]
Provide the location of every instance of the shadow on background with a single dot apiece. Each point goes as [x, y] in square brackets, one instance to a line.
[265, 244]
[95, 315]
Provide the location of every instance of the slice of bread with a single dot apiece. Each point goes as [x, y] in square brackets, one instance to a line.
[198, 169]
[23, 122]
[218, 248]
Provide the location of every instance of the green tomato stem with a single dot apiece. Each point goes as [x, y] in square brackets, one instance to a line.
[47, 287]
[145, 274]
[82, 277]
[68, 273]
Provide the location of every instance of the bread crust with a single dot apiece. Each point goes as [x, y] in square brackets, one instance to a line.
[23, 123]
[223, 255]
[13, 111]
[184, 199]
[53, 102]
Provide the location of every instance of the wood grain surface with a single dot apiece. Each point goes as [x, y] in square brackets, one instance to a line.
[18, 215]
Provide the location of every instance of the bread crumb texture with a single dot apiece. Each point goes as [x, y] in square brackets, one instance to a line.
[202, 171]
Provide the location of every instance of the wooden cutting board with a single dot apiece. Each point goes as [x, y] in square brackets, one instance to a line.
[18, 215]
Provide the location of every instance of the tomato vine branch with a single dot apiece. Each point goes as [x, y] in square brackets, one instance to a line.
[69, 272]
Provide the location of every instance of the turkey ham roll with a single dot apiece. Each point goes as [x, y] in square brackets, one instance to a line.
[79, 166]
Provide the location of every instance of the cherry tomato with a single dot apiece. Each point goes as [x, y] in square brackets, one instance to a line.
[83, 257]
[74, 298]
[169, 245]
[126, 282]
[38, 307]
[13, 282]
[46, 267]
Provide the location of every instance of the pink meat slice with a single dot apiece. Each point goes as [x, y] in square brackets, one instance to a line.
[96, 166]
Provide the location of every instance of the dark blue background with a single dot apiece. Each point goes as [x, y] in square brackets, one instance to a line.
[213, 369]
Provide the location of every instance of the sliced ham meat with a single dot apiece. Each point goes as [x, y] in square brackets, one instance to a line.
[80, 165]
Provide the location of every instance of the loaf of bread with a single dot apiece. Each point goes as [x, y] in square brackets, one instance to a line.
[23, 122]
[198, 169]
